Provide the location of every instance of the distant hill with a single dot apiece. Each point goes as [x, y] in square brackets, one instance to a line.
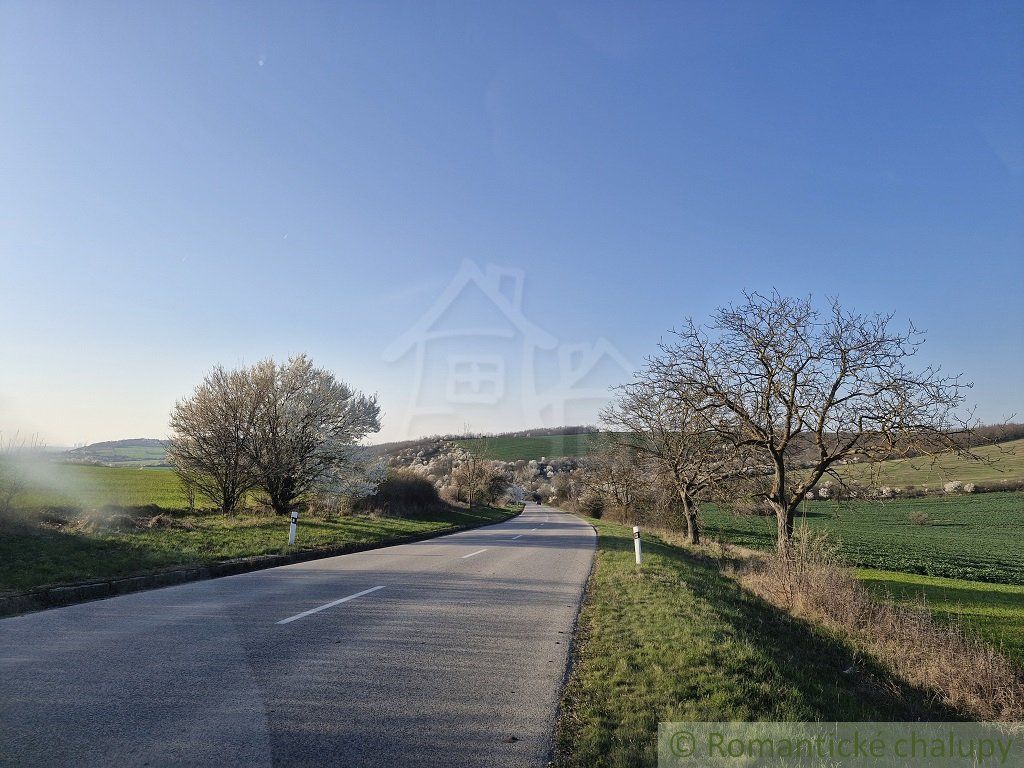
[136, 452]
[1001, 464]
[1007, 456]
[1001, 446]
[526, 444]
[556, 442]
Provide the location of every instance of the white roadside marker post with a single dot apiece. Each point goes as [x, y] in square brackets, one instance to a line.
[636, 542]
[291, 528]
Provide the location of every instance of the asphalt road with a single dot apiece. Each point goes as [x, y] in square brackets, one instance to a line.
[449, 652]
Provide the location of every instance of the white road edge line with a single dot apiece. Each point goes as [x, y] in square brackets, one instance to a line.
[474, 553]
[331, 604]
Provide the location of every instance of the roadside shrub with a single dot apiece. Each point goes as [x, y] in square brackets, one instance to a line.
[260, 505]
[616, 513]
[964, 673]
[591, 504]
[995, 486]
[329, 506]
[561, 487]
[402, 491]
[449, 494]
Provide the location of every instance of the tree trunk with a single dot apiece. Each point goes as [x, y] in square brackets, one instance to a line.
[777, 501]
[281, 501]
[784, 520]
[690, 514]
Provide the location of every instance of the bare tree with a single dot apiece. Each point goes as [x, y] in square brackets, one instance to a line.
[208, 445]
[677, 435]
[465, 478]
[805, 391]
[612, 470]
[306, 428]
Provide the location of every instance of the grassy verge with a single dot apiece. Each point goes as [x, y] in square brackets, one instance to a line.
[35, 554]
[994, 611]
[678, 640]
[975, 537]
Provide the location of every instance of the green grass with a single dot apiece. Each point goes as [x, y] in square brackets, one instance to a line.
[34, 555]
[677, 640]
[976, 537]
[1004, 461]
[527, 448]
[994, 611]
[83, 486]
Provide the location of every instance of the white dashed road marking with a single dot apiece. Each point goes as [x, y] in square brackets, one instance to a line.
[331, 604]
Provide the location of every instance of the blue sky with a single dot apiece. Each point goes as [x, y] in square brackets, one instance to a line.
[183, 184]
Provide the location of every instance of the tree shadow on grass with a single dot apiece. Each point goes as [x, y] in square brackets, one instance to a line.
[32, 557]
[798, 669]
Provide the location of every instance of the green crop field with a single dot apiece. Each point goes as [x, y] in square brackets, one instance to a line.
[1002, 462]
[977, 537]
[84, 487]
[527, 448]
[994, 611]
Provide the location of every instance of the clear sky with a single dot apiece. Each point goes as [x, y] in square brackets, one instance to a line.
[190, 183]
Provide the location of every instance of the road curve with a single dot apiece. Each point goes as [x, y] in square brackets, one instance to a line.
[447, 652]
